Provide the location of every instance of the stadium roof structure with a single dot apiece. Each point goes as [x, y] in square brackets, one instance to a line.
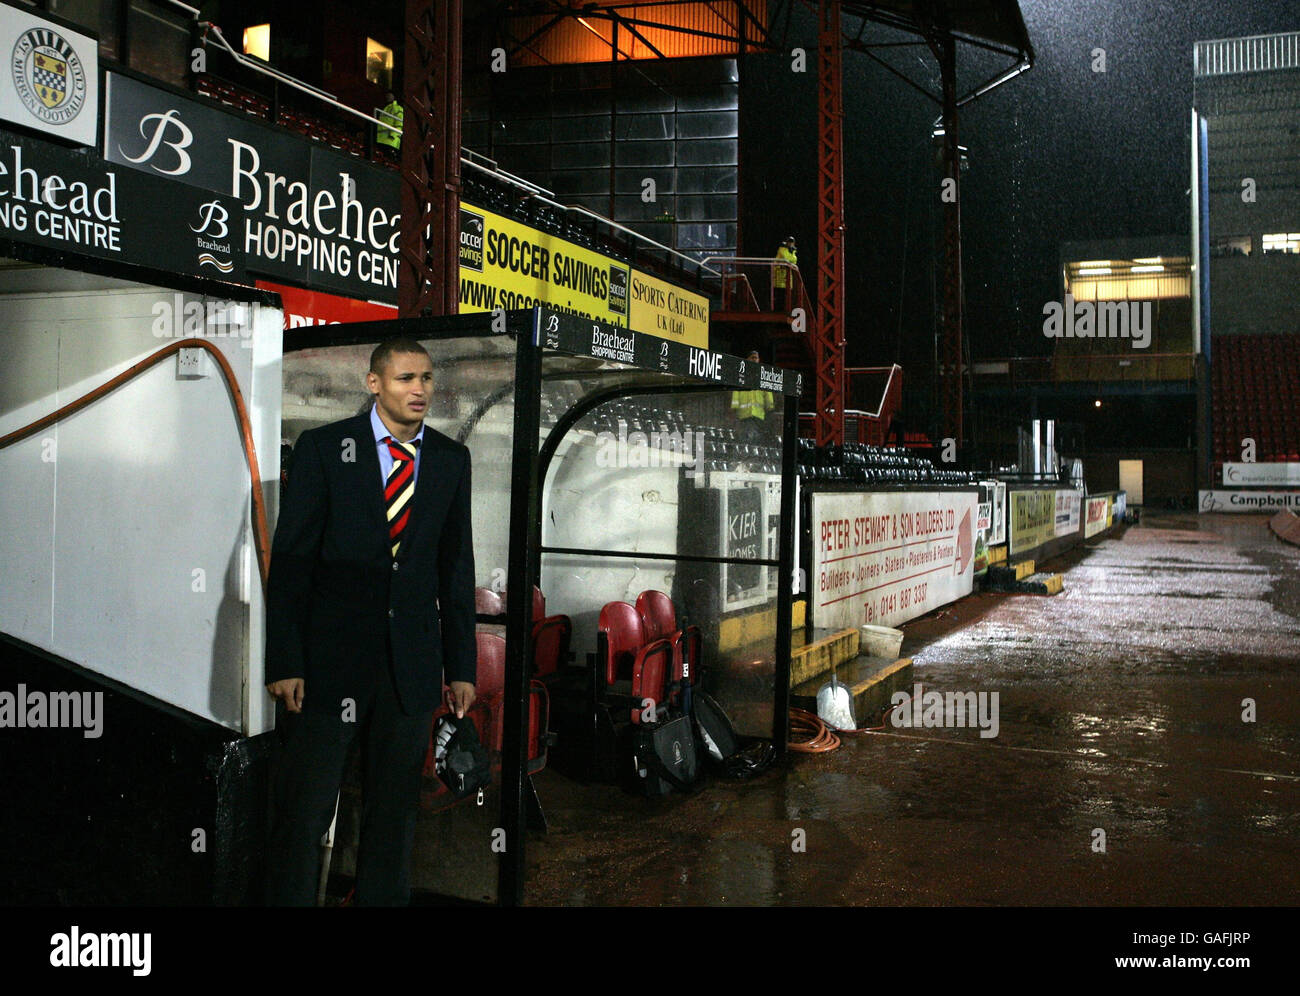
[563, 31]
[994, 24]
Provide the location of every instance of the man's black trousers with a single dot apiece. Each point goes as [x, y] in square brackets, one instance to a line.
[308, 772]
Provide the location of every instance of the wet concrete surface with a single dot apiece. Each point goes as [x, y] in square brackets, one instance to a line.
[1120, 712]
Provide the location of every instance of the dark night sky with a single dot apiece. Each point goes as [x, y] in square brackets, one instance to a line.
[1060, 153]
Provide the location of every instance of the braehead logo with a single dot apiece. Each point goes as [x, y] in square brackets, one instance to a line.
[48, 76]
[163, 124]
[471, 240]
[213, 226]
[618, 290]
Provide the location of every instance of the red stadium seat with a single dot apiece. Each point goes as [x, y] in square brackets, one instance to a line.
[658, 614]
[551, 645]
[488, 602]
[626, 660]
[623, 635]
[490, 686]
[659, 617]
[491, 665]
[650, 675]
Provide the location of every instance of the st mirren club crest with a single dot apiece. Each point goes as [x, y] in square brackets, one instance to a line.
[48, 76]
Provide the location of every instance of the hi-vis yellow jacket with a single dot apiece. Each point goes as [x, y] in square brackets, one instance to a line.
[751, 404]
[391, 136]
[782, 275]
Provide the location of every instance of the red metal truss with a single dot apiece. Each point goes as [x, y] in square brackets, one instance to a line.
[951, 365]
[428, 270]
[829, 371]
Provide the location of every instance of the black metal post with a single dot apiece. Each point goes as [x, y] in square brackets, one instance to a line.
[522, 570]
[785, 555]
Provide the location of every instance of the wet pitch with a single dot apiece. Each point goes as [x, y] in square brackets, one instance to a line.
[1147, 752]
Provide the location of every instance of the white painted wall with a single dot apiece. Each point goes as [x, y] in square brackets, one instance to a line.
[602, 507]
[126, 541]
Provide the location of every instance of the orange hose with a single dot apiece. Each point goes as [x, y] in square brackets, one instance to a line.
[817, 736]
[260, 538]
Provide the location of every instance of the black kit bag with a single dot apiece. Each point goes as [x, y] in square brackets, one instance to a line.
[718, 739]
[664, 756]
[460, 759]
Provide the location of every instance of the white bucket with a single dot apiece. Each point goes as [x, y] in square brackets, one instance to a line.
[879, 641]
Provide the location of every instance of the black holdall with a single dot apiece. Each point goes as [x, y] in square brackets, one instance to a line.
[717, 735]
[664, 756]
[460, 759]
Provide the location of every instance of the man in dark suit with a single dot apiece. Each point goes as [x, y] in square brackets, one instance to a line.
[370, 603]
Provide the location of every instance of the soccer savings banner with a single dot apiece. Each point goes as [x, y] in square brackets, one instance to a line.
[50, 79]
[506, 264]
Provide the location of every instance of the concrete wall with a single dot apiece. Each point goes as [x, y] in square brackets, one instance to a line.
[1166, 474]
[588, 503]
[127, 540]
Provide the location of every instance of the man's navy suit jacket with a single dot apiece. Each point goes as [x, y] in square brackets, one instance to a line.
[337, 600]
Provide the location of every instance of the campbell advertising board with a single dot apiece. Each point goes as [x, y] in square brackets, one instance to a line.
[1249, 501]
[883, 558]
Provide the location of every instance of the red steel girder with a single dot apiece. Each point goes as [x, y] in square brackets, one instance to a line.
[950, 363]
[428, 269]
[829, 371]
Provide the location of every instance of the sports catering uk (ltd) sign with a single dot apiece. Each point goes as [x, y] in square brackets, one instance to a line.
[50, 79]
[885, 558]
[71, 200]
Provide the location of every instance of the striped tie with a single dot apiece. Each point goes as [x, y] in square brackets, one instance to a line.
[400, 488]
